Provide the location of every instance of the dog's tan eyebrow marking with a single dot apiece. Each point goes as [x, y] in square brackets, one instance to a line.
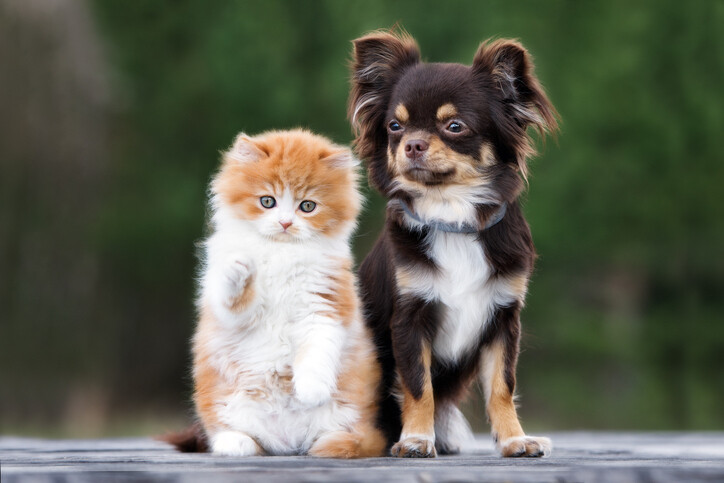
[446, 111]
[401, 113]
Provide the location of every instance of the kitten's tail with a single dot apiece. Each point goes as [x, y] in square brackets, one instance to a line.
[190, 440]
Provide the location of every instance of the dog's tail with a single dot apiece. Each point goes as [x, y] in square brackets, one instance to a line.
[190, 440]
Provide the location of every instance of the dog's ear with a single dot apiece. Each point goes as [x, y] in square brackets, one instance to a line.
[523, 101]
[379, 59]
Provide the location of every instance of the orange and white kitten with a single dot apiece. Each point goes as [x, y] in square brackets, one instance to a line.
[283, 363]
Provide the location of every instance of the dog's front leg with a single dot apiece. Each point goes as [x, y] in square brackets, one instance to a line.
[499, 360]
[411, 346]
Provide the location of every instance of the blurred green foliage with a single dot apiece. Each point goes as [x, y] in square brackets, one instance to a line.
[623, 327]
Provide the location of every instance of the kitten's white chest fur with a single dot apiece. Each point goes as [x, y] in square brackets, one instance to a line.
[258, 347]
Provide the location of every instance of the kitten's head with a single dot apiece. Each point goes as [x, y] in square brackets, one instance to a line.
[289, 185]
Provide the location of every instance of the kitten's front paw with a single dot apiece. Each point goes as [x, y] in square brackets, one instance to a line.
[238, 269]
[310, 391]
[525, 446]
[234, 443]
[414, 447]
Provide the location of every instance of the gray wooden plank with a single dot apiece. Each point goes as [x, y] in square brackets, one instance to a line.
[583, 456]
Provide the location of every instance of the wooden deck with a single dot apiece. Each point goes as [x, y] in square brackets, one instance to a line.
[584, 457]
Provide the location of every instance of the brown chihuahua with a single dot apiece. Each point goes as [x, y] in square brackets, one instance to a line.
[443, 288]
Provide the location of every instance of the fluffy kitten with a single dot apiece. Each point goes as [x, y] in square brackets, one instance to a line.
[283, 363]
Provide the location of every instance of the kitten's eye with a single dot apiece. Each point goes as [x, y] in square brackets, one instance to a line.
[267, 202]
[307, 206]
[394, 126]
[455, 127]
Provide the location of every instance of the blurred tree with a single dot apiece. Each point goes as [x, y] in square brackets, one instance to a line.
[54, 156]
[107, 153]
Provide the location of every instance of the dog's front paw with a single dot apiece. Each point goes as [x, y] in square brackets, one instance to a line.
[525, 446]
[414, 447]
[310, 391]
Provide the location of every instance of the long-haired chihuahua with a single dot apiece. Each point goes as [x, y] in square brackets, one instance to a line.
[447, 145]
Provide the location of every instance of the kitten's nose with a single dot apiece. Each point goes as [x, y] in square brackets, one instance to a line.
[285, 224]
[415, 148]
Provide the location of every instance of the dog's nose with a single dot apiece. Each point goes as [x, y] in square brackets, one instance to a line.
[415, 148]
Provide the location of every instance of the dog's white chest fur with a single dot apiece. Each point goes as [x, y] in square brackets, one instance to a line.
[466, 290]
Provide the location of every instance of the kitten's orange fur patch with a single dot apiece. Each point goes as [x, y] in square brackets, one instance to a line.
[342, 444]
[245, 297]
[343, 300]
[356, 385]
[209, 388]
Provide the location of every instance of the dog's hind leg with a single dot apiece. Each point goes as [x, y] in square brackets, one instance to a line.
[452, 431]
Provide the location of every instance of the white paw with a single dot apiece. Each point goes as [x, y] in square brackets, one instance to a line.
[525, 446]
[237, 271]
[311, 391]
[233, 443]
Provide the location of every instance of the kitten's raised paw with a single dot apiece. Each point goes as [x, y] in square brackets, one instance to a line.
[525, 446]
[310, 391]
[237, 270]
[234, 443]
[414, 447]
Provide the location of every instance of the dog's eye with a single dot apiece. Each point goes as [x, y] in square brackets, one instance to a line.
[455, 127]
[394, 126]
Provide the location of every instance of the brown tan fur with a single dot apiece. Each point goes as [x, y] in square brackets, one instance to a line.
[500, 402]
[445, 112]
[401, 113]
[500, 406]
[418, 416]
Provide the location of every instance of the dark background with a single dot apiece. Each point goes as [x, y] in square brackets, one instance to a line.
[113, 113]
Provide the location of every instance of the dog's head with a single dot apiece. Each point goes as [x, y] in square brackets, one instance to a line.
[431, 129]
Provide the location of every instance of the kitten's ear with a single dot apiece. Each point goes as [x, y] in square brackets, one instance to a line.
[379, 59]
[342, 158]
[524, 102]
[244, 150]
